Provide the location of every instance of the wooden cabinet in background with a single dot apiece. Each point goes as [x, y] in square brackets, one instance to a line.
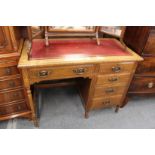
[142, 40]
[12, 96]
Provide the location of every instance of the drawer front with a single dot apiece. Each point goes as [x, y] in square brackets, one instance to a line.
[109, 91]
[7, 71]
[142, 84]
[10, 84]
[9, 96]
[147, 66]
[61, 72]
[113, 79]
[10, 109]
[106, 102]
[115, 68]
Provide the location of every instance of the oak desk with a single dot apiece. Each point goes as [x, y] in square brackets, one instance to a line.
[103, 73]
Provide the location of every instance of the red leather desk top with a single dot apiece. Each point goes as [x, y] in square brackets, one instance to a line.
[82, 48]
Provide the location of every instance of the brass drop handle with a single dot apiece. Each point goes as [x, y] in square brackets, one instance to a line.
[150, 85]
[43, 73]
[79, 71]
[11, 84]
[113, 79]
[109, 90]
[8, 71]
[116, 69]
[106, 102]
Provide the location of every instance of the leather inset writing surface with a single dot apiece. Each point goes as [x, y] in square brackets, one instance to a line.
[71, 48]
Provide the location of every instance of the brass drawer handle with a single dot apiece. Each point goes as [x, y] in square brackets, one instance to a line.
[109, 90]
[43, 73]
[113, 79]
[8, 71]
[11, 84]
[106, 102]
[79, 71]
[116, 69]
[150, 85]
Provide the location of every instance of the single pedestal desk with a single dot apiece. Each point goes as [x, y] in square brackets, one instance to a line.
[103, 72]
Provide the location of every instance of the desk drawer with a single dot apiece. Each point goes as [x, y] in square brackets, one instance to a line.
[10, 83]
[61, 72]
[106, 102]
[9, 96]
[7, 71]
[109, 91]
[113, 79]
[115, 68]
[15, 108]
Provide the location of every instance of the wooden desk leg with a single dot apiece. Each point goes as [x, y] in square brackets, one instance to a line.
[125, 102]
[29, 96]
[117, 109]
[32, 106]
[86, 114]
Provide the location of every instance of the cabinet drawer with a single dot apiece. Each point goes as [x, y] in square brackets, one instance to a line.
[7, 71]
[146, 67]
[109, 91]
[9, 96]
[9, 109]
[61, 72]
[106, 102]
[10, 83]
[113, 79]
[142, 84]
[115, 68]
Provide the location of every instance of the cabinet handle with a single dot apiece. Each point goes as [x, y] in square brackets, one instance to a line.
[113, 79]
[79, 71]
[11, 84]
[8, 71]
[109, 90]
[106, 102]
[43, 73]
[150, 85]
[116, 69]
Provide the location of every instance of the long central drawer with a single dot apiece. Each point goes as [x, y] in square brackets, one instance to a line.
[61, 72]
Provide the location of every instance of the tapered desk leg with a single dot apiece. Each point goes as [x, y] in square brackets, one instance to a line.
[29, 97]
[117, 109]
[86, 114]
